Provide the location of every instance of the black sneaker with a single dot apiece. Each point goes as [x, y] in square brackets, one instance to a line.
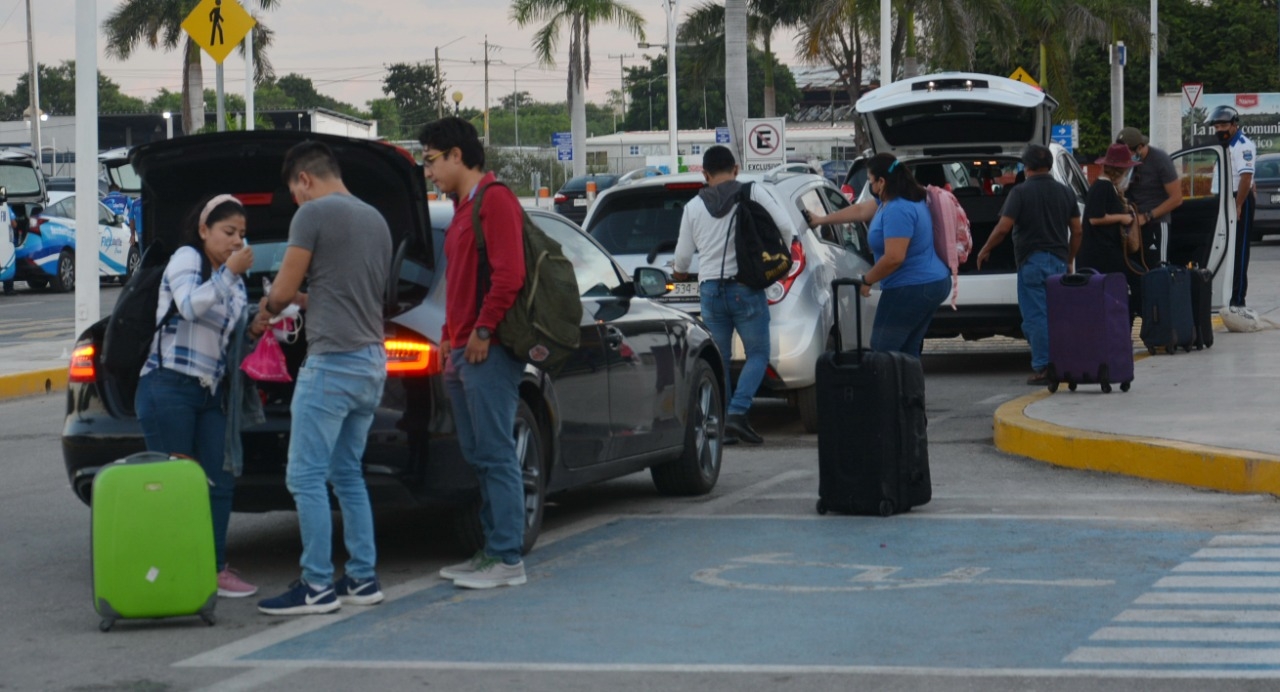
[302, 599]
[358, 591]
[1039, 378]
[738, 426]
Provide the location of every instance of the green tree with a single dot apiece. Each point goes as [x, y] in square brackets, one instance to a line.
[387, 113]
[58, 93]
[158, 24]
[578, 16]
[416, 91]
[700, 100]
[302, 93]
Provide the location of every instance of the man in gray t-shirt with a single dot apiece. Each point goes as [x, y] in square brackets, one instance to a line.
[344, 247]
[1155, 189]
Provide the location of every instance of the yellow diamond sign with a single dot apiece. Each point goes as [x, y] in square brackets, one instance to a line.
[218, 26]
[1022, 76]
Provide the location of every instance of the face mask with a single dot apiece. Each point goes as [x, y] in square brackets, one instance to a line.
[1224, 136]
[1124, 182]
[1136, 159]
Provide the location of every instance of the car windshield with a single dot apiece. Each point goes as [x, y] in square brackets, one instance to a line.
[19, 179]
[640, 221]
[956, 122]
[125, 177]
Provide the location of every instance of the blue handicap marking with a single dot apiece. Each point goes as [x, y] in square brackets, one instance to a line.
[912, 592]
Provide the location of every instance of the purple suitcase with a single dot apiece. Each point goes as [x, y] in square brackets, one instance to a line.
[1090, 340]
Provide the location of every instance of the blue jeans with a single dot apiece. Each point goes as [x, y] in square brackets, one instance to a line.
[728, 306]
[903, 316]
[332, 410]
[485, 396]
[178, 415]
[1033, 275]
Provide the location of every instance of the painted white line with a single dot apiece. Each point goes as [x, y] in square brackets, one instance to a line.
[1245, 540]
[1233, 635]
[1218, 553]
[1195, 598]
[1191, 615]
[1238, 566]
[253, 679]
[1178, 656]
[1218, 583]
[747, 493]
[518, 667]
[997, 399]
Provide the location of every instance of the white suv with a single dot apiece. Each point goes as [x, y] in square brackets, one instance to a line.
[638, 222]
[967, 131]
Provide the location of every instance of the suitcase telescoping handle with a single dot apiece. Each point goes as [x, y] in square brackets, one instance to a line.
[857, 311]
[1079, 278]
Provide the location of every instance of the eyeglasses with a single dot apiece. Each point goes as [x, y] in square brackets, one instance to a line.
[429, 161]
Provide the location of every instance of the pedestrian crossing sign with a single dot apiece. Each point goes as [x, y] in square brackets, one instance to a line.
[1025, 77]
[218, 26]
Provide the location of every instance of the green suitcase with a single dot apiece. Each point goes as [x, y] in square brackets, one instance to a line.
[152, 540]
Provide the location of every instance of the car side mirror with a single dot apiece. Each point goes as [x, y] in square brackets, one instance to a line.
[650, 282]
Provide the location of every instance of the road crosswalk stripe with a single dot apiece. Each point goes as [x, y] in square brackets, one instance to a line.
[1245, 539]
[1218, 583]
[1201, 615]
[1218, 553]
[1200, 598]
[1233, 635]
[1175, 656]
[1229, 566]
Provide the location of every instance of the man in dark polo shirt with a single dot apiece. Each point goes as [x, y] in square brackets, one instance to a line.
[1155, 190]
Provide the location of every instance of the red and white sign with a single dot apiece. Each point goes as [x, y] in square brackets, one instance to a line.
[1191, 92]
[766, 143]
[1247, 100]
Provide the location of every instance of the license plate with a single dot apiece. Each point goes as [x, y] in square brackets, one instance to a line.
[1275, 198]
[685, 289]
[580, 202]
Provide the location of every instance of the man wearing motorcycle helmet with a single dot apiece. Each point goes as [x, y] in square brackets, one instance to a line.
[1226, 124]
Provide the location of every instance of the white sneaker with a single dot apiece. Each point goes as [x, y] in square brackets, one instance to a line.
[492, 573]
[463, 569]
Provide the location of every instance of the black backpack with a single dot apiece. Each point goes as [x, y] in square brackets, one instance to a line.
[763, 256]
[544, 325]
[132, 325]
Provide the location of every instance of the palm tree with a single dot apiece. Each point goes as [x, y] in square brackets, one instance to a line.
[577, 16]
[735, 69]
[158, 24]
[950, 28]
[705, 27]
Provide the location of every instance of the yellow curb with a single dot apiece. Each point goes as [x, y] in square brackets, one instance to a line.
[36, 382]
[1169, 461]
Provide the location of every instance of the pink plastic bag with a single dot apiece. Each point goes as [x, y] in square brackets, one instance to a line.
[266, 363]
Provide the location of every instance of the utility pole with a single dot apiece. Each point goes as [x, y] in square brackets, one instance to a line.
[623, 71]
[33, 89]
[487, 48]
[440, 79]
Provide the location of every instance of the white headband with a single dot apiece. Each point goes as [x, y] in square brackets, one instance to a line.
[213, 203]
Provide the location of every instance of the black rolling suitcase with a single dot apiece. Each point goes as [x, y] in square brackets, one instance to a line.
[1202, 306]
[873, 452]
[1166, 310]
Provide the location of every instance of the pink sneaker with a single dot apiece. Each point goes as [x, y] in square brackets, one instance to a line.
[230, 585]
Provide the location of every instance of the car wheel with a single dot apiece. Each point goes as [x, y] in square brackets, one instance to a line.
[807, 404]
[65, 278]
[468, 532]
[131, 264]
[37, 284]
[698, 468]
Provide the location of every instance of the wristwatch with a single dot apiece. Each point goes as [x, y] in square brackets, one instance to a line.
[484, 333]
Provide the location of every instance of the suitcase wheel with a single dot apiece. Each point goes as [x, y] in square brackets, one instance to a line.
[1053, 387]
[1071, 386]
[822, 507]
[1151, 350]
[105, 624]
[1106, 387]
[886, 508]
[209, 619]
[1124, 386]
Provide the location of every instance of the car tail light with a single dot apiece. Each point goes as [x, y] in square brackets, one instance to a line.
[847, 191]
[34, 225]
[560, 199]
[413, 358]
[254, 199]
[779, 290]
[82, 368]
[685, 186]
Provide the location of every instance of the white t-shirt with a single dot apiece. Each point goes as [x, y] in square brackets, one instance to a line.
[705, 234]
[1243, 154]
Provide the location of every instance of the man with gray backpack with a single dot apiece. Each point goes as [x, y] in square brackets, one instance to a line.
[731, 301]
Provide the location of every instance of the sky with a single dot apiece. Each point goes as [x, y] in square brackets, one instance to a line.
[342, 45]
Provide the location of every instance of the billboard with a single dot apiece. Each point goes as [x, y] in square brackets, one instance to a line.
[1259, 118]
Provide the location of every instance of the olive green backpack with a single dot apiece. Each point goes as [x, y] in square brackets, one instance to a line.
[543, 327]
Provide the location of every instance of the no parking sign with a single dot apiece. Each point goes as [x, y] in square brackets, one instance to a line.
[766, 143]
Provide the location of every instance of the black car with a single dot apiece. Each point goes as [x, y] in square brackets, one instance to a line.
[571, 200]
[643, 391]
[1266, 181]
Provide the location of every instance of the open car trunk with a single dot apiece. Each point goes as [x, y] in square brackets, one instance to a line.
[177, 174]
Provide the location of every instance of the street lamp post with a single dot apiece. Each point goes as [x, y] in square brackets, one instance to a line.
[515, 95]
[440, 80]
[457, 102]
[33, 88]
[168, 125]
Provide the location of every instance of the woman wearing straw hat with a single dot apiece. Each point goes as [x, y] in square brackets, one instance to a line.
[1107, 217]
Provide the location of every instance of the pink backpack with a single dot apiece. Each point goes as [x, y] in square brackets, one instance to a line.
[951, 238]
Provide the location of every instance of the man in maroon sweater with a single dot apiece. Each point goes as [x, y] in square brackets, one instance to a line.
[481, 375]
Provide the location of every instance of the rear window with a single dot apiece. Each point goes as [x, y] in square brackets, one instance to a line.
[956, 123]
[579, 184]
[640, 221]
[19, 180]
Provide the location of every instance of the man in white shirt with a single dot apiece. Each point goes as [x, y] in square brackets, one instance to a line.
[1243, 152]
[727, 305]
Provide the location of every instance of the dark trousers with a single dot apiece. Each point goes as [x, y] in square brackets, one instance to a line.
[1244, 229]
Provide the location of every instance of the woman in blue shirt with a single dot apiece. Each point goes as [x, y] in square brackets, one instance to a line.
[181, 394]
[913, 280]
